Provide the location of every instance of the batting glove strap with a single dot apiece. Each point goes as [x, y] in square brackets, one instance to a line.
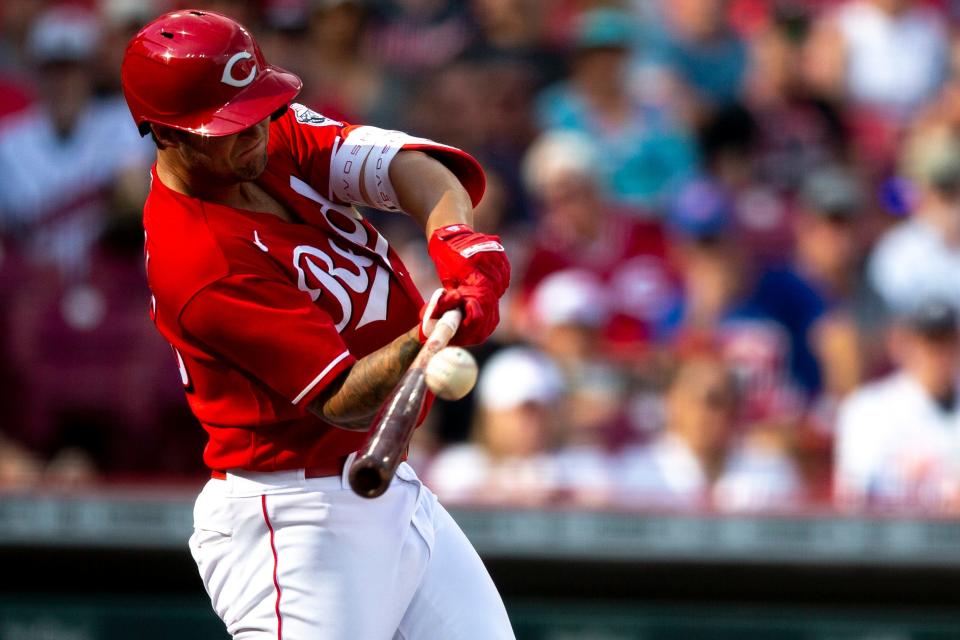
[461, 254]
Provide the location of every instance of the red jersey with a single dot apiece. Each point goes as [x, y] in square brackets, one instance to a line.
[262, 313]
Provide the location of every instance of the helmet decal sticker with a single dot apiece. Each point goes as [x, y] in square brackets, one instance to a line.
[228, 70]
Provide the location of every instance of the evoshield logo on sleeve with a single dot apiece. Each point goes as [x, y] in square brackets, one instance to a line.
[228, 78]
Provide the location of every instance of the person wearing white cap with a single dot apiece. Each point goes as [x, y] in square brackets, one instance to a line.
[898, 438]
[568, 311]
[510, 459]
[919, 258]
[67, 161]
[578, 228]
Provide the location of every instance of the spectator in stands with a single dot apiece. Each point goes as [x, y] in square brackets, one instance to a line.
[452, 101]
[94, 381]
[702, 458]
[822, 296]
[882, 60]
[121, 20]
[482, 105]
[811, 309]
[722, 305]
[701, 47]
[887, 55]
[410, 37]
[814, 300]
[63, 161]
[646, 154]
[898, 439]
[511, 457]
[795, 131]
[343, 81]
[729, 139]
[92, 374]
[514, 31]
[837, 320]
[920, 257]
[19, 468]
[578, 228]
[569, 310]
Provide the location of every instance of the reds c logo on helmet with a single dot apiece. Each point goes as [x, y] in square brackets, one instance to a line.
[228, 70]
[201, 72]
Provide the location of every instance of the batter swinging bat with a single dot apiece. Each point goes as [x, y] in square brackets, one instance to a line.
[375, 464]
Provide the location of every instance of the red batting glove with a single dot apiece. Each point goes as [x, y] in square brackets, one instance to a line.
[475, 272]
[481, 313]
[458, 252]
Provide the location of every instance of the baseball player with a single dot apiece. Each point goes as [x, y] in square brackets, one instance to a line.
[291, 319]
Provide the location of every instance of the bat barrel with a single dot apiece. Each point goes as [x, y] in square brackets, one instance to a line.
[378, 459]
[373, 469]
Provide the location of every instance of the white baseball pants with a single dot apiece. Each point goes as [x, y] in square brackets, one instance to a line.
[288, 558]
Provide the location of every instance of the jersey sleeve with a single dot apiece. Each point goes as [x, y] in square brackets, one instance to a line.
[350, 163]
[269, 330]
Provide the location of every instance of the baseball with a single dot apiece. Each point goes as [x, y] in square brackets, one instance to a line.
[451, 373]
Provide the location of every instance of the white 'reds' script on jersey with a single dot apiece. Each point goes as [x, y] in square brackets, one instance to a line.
[329, 278]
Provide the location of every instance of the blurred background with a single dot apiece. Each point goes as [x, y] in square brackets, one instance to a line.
[723, 402]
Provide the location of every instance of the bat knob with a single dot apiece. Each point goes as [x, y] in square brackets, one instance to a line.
[367, 479]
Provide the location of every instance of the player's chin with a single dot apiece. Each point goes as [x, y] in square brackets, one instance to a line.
[252, 168]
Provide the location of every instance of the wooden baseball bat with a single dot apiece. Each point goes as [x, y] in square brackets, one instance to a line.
[373, 468]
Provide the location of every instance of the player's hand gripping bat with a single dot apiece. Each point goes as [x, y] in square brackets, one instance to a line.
[375, 464]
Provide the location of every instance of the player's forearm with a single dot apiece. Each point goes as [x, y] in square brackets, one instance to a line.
[429, 192]
[352, 401]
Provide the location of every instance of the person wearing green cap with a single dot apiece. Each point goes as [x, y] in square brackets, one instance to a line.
[646, 154]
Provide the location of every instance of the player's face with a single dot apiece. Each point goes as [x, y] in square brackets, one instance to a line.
[240, 157]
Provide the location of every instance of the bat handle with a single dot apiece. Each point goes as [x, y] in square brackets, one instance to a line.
[440, 337]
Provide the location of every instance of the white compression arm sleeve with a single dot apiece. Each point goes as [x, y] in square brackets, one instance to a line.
[360, 166]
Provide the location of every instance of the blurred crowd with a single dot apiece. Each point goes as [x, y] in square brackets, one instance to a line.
[734, 228]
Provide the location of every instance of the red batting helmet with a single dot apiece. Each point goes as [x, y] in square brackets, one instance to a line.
[201, 72]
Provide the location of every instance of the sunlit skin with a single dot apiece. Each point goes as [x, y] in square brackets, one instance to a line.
[696, 19]
[932, 361]
[570, 205]
[66, 89]
[516, 432]
[713, 279]
[218, 169]
[701, 409]
[827, 249]
[599, 75]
